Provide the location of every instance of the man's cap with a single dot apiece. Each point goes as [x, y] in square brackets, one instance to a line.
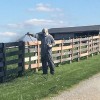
[44, 30]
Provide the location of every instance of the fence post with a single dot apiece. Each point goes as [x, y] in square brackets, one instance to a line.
[79, 49]
[29, 55]
[2, 62]
[21, 58]
[61, 50]
[59, 57]
[72, 47]
[70, 52]
[99, 43]
[38, 56]
[88, 46]
[92, 46]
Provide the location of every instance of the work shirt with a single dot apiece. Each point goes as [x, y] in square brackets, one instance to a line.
[46, 40]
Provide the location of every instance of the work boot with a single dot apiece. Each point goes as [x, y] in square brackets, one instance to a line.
[52, 73]
[45, 73]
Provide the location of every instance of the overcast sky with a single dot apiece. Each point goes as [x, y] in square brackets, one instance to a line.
[17, 17]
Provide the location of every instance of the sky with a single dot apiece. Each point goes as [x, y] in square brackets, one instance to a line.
[17, 17]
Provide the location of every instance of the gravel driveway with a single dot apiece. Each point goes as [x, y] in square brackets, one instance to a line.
[86, 90]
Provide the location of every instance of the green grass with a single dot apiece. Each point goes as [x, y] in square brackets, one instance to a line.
[34, 86]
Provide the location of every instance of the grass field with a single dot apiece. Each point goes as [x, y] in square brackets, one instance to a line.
[34, 86]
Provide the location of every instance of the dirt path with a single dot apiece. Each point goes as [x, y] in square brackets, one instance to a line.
[86, 90]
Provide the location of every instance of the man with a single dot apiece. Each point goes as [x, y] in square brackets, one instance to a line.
[47, 42]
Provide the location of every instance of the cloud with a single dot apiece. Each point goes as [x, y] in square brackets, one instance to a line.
[40, 22]
[34, 22]
[19, 25]
[44, 8]
[30, 25]
[8, 34]
[33, 25]
[58, 15]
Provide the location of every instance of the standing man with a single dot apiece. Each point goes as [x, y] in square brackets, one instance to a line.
[47, 42]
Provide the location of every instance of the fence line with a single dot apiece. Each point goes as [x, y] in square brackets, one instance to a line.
[11, 59]
[64, 50]
[16, 57]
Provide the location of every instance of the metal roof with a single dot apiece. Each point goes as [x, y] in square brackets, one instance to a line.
[75, 29]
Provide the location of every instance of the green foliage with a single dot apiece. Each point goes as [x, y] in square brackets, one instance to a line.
[34, 86]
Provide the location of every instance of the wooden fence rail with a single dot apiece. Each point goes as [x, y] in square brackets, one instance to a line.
[64, 50]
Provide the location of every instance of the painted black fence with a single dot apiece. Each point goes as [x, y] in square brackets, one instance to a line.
[11, 59]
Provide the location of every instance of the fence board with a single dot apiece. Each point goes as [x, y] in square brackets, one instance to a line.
[30, 43]
[57, 61]
[90, 43]
[1, 45]
[1, 55]
[90, 47]
[31, 50]
[56, 55]
[1, 64]
[1, 74]
[94, 51]
[90, 38]
[11, 44]
[76, 40]
[12, 61]
[75, 56]
[84, 49]
[84, 54]
[67, 47]
[32, 66]
[67, 41]
[84, 39]
[66, 53]
[97, 41]
[56, 48]
[58, 42]
[75, 45]
[66, 59]
[84, 44]
[95, 46]
[95, 37]
[31, 58]
[12, 53]
[14, 71]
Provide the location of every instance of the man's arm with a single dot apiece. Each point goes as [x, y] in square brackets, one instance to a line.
[52, 42]
[33, 35]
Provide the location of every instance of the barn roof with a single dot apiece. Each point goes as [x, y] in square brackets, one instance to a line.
[75, 29]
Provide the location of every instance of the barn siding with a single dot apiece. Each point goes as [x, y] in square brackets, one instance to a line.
[59, 36]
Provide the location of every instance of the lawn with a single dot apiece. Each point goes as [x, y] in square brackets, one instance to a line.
[35, 86]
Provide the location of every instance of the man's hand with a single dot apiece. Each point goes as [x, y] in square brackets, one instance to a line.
[29, 34]
[50, 45]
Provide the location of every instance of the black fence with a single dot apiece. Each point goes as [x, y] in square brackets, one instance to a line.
[11, 59]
